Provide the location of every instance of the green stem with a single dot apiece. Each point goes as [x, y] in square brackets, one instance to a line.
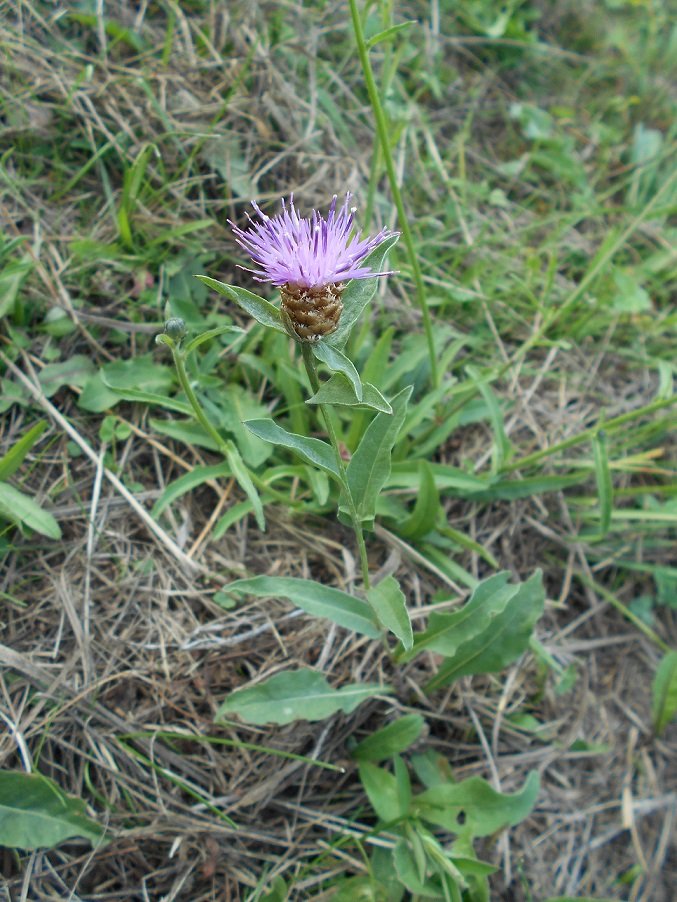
[384, 140]
[200, 415]
[311, 369]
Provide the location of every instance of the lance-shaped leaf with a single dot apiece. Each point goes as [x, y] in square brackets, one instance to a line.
[10, 462]
[489, 632]
[390, 740]
[369, 466]
[243, 477]
[312, 450]
[19, 508]
[263, 311]
[359, 292]
[422, 519]
[314, 598]
[390, 606]
[36, 814]
[295, 695]
[664, 692]
[186, 483]
[148, 397]
[382, 790]
[339, 391]
[337, 362]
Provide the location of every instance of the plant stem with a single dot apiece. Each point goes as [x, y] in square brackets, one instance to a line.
[311, 369]
[194, 403]
[384, 140]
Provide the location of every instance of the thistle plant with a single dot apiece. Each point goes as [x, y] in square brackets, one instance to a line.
[311, 260]
[327, 273]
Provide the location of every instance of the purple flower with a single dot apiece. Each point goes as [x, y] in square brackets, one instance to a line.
[308, 253]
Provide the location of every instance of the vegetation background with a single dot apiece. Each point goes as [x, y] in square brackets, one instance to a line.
[535, 146]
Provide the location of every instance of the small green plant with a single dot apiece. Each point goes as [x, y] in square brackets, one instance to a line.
[428, 837]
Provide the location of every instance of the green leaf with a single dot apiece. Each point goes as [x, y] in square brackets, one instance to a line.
[229, 408]
[390, 606]
[382, 791]
[314, 598]
[390, 32]
[263, 311]
[374, 371]
[278, 891]
[11, 280]
[422, 519]
[629, 296]
[10, 462]
[369, 466]
[234, 514]
[460, 539]
[390, 740]
[36, 814]
[605, 489]
[187, 431]
[77, 370]
[491, 629]
[512, 489]
[443, 562]
[191, 480]
[664, 692]
[140, 373]
[501, 448]
[409, 873]
[359, 292]
[244, 480]
[403, 783]
[148, 397]
[473, 806]
[431, 768]
[295, 695]
[312, 450]
[406, 474]
[337, 362]
[339, 391]
[382, 869]
[21, 509]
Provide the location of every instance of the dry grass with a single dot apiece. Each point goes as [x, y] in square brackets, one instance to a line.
[112, 639]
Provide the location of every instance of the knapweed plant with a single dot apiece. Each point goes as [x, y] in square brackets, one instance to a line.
[327, 273]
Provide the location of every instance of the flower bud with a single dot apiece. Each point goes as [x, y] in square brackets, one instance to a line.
[175, 328]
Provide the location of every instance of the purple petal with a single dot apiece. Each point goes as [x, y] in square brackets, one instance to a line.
[309, 252]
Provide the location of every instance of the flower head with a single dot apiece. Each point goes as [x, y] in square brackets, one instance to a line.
[308, 252]
[310, 259]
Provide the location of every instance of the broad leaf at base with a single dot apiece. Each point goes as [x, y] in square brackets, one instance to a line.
[295, 695]
[36, 814]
